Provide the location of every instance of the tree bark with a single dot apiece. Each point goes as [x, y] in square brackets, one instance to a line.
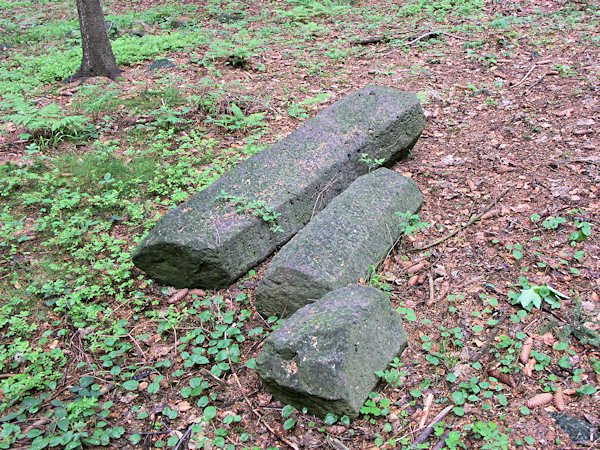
[98, 58]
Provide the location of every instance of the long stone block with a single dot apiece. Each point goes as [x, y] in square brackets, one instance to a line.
[325, 356]
[220, 233]
[337, 246]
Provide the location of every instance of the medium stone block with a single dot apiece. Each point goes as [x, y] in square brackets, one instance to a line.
[338, 245]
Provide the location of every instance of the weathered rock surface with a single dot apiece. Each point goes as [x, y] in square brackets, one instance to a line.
[325, 355]
[577, 429]
[338, 245]
[160, 64]
[209, 241]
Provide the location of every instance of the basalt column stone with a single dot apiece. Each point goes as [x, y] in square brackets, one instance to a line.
[338, 246]
[325, 356]
[223, 231]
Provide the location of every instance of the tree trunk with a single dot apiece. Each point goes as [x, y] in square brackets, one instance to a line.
[98, 58]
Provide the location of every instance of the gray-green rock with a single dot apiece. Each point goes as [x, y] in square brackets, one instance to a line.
[325, 355]
[337, 246]
[230, 16]
[223, 231]
[161, 64]
[577, 429]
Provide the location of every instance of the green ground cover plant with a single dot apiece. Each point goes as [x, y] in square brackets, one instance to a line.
[94, 354]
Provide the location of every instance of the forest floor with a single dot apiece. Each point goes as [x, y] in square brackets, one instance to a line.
[94, 354]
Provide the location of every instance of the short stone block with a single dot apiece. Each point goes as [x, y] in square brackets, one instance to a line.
[325, 356]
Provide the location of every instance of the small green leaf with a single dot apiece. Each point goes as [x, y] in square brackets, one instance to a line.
[251, 363]
[86, 381]
[34, 433]
[210, 412]
[458, 397]
[330, 419]
[528, 297]
[458, 411]
[289, 424]
[586, 389]
[287, 411]
[416, 393]
[131, 385]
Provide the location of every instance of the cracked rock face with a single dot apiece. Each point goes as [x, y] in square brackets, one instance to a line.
[324, 357]
[214, 238]
[337, 247]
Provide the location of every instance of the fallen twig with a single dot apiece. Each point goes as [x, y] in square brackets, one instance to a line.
[137, 346]
[461, 227]
[429, 429]
[431, 291]
[184, 437]
[213, 377]
[426, 406]
[442, 442]
[433, 33]
[372, 40]
[423, 36]
[258, 416]
[539, 81]
[320, 196]
[525, 77]
[491, 338]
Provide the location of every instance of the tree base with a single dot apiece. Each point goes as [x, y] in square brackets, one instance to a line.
[91, 72]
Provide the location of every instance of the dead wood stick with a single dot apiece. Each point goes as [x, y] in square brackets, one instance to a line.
[184, 437]
[441, 443]
[429, 429]
[373, 40]
[461, 227]
[491, 338]
[433, 33]
[426, 406]
[376, 39]
[137, 346]
[525, 77]
[213, 377]
[539, 81]
[258, 416]
[423, 36]
[431, 293]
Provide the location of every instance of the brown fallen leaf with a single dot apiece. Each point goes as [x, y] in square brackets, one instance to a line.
[548, 338]
[413, 280]
[539, 400]
[502, 377]
[565, 112]
[528, 369]
[183, 406]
